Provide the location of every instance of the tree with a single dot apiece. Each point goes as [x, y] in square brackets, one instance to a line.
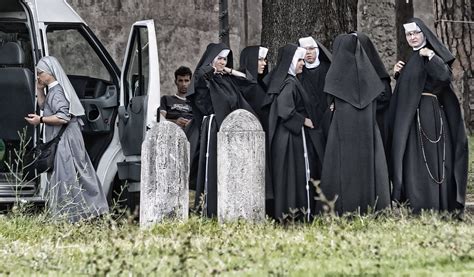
[286, 21]
[454, 26]
[404, 11]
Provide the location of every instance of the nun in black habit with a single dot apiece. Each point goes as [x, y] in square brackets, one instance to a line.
[294, 146]
[383, 100]
[354, 168]
[215, 92]
[253, 62]
[317, 62]
[429, 155]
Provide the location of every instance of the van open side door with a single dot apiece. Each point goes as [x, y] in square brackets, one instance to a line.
[140, 98]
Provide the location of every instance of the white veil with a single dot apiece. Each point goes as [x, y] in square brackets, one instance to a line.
[50, 65]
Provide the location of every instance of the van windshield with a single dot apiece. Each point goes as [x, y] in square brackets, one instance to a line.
[75, 53]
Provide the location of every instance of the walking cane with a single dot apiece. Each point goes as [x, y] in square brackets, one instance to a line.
[307, 171]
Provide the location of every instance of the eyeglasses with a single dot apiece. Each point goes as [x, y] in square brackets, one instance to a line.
[414, 33]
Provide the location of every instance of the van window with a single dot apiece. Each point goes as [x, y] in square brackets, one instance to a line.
[137, 72]
[18, 32]
[75, 53]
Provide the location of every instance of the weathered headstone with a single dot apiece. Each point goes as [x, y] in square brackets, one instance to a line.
[241, 168]
[164, 174]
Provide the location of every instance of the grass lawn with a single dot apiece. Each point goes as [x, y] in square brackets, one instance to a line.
[384, 244]
[470, 183]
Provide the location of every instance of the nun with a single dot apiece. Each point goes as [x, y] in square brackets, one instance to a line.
[383, 100]
[74, 191]
[354, 170]
[253, 62]
[215, 91]
[317, 61]
[429, 155]
[294, 147]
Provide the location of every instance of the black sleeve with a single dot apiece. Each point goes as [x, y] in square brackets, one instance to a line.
[291, 119]
[204, 73]
[163, 103]
[252, 93]
[201, 99]
[383, 100]
[245, 84]
[438, 70]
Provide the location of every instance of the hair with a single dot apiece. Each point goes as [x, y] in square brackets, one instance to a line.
[183, 71]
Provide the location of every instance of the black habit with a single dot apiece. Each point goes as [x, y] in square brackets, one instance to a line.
[383, 100]
[212, 96]
[255, 96]
[429, 155]
[288, 109]
[355, 167]
[313, 80]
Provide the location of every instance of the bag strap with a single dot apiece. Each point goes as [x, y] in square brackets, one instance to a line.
[58, 136]
[63, 128]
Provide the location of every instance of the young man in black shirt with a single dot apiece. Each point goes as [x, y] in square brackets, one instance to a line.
[176, 108]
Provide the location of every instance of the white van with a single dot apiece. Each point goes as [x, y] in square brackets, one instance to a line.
[120, 105]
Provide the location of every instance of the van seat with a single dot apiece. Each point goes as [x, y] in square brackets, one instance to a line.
[11, 54]
[17, 92]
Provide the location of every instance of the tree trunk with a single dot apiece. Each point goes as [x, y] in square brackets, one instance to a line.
[404, 11]
[286, 21]
[455, 28]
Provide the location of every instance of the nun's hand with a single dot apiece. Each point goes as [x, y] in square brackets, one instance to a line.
[40, 86]
[308, 123]
[426, 52]
[398, 67]
[33, 119]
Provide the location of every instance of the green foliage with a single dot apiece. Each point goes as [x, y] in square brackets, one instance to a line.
[373, 244]
[390, 243]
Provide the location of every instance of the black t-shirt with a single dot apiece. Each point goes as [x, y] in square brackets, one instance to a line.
[175, 107]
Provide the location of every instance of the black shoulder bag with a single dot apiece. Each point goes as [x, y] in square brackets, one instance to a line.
[42, 156]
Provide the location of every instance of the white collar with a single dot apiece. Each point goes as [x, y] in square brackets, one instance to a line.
[421, 46]
[51, 85]
[179, 97]
[312, 65]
